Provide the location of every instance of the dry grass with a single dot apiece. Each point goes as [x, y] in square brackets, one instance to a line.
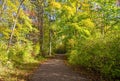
[20, 72]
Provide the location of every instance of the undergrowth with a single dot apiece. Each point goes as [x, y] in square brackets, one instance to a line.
[19, 61]
[100, 54]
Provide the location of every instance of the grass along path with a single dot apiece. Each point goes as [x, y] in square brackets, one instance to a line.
[20, 72]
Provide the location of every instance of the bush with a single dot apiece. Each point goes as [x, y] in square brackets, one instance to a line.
[21, 53]
[3, 53]
[102, 55]
[4, 62]
[36, 50]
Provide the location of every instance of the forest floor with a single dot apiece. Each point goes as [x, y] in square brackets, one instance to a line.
[20, 72]
[56, 69]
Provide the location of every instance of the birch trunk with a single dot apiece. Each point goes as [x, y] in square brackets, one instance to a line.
[14, 24]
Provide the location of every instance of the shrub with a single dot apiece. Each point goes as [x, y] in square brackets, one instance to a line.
[102, 55]
[36, 50]
[3, 53]
[21, 53]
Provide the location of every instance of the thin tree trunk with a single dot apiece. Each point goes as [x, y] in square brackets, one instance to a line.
[14, 25]
[50, 42]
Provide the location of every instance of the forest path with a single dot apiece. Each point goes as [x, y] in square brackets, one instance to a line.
[56, 70]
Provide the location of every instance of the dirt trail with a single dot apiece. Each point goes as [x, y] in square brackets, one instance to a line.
[56, 70]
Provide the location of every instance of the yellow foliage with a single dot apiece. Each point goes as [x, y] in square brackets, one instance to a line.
[76, 26]
[5, 31]
[68, 11]
[88, 23]
[87, 32]
[11, 5]
[85, 5]
[72, 42]
[55, 4]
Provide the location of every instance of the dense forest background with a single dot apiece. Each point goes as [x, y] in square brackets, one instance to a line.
[88, 31]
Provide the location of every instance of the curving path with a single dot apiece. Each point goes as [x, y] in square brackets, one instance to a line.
[56, 70]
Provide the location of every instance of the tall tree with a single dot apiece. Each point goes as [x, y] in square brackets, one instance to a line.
[40, 14]
[14, 24]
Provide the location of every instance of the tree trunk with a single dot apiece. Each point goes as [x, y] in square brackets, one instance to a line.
[14, 25]
[40, 15]
[41, 33]
[50, 42]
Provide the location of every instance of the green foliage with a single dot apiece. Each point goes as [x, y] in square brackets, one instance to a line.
[36, 50]
[21, 53]
[99, 54]
[3, 54]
